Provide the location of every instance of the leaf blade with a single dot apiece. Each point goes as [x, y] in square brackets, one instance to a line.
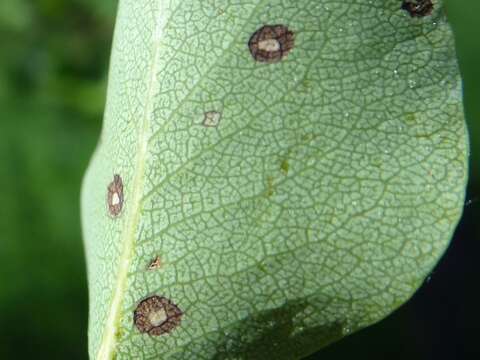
[327, 162]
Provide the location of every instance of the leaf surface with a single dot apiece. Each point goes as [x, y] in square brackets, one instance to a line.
[277, 204]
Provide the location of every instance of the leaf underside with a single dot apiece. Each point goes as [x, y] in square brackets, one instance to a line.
[278, 205]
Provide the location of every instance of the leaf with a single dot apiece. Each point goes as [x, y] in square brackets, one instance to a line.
[271, 176]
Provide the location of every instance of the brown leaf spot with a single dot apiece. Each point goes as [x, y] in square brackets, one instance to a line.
[271, 43]
[157, 315]
[155, 263]
[212, 119]
[418, 8]
[115, 196]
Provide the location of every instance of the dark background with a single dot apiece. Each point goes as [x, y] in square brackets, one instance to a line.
[53, 66]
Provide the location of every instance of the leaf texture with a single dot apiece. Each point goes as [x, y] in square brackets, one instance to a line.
[278, 204]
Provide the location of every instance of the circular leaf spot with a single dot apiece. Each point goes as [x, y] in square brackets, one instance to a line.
[157, 315]
[271, 43]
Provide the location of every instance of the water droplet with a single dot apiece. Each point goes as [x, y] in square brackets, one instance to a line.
[471, 201]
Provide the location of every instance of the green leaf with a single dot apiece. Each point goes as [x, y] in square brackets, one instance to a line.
[269, 190]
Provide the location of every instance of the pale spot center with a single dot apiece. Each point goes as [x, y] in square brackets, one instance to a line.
[269, 45]
[212, 119]
[157, 318]
[115, 199]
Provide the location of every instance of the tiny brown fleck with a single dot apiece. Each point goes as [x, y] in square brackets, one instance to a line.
[157, 315]
[115, 196]
[155, 263]
[271, 43]
[418, 8]
[212, 119]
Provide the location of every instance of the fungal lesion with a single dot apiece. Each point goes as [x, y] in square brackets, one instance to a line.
[115, 196]
[212, 118]
[155, 264]
[418, 8]
[271, 43]
[157, 315]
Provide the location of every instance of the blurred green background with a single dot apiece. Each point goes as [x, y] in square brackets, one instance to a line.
[53, 71]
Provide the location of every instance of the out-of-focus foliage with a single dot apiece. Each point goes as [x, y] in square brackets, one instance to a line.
[463, 15]
[53, 63]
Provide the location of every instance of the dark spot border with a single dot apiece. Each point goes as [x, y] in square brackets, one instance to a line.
[151, 305]
[279, 33]
[418, 8]
[115, 188]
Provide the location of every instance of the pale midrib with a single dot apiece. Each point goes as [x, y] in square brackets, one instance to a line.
[107, 346]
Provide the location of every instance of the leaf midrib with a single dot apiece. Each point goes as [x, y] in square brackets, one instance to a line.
[127, 240]
[107, 345]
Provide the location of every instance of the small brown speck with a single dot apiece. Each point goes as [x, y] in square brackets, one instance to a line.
[155, 264]
[418, 8]
[157, 315]
[115, 196]
[212, 119]
[271, 43]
